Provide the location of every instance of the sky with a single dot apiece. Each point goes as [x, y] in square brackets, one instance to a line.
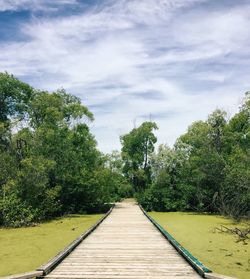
[168, 61]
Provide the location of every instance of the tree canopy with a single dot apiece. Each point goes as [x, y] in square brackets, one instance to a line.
[50, 164]
[208, 169]
[136, 149]
[49, 161]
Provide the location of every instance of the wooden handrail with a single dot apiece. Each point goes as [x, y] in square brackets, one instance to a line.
[26, 275]
[52, 263]
[198, 266]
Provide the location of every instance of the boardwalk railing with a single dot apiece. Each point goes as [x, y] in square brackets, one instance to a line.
[131, 218]
[194, 262]
[52, 263]
[26, 275]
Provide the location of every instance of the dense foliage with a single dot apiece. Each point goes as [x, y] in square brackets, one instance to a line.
[136, 149]
[208, 169]
[49, 162]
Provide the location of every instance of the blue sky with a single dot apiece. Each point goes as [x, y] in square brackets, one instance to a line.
[172, 61]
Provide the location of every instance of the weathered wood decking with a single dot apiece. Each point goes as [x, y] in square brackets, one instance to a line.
[125, 246]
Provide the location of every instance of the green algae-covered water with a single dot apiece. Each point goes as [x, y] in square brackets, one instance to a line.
[218, 251]
[25, 249]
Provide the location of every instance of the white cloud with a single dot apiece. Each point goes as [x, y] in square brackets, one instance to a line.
[224, 32]
[33, 5]
[115, 54]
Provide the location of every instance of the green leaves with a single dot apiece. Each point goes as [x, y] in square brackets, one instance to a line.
[57, 109]
[136, 148]
[14, 97]
[208, 169]
[49, 163]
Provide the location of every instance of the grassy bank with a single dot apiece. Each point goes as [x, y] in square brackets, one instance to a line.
[25, 249]
[218, 251]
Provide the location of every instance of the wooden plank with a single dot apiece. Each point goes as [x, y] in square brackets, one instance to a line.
[195, 263]
[46, 268]
[26, 275]
[125, 246]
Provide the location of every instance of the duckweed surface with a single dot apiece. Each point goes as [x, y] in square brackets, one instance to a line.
[218, 251]
[25, 249]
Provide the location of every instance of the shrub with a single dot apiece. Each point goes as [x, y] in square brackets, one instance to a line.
[15, 213]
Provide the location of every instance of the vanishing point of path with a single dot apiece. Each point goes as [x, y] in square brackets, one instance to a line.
[125, 246]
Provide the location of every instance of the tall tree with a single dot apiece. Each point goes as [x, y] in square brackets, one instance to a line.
[136, 148]
[50, 165]
[15, 97]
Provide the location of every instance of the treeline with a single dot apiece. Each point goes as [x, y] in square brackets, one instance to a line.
[49, 161]
[207, 170]
[50, 164]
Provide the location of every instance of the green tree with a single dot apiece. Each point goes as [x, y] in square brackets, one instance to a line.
[15, 96]
[119, 185]
[234, 196]
[61, 136]
[168, 191]
[50, 165]
[217, 122]
[136, 149]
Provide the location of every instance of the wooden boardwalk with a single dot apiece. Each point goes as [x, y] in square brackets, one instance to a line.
[125, 246]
